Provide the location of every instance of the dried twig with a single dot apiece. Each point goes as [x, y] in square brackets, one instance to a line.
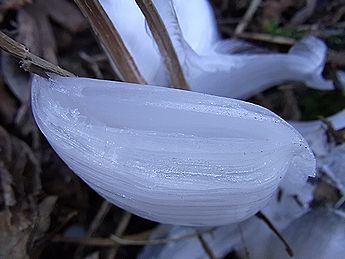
[206, 247]
[303, 15]
[93, 64]
[30, 62]
[246, 252]
[130, 242]
[334, 57]
[96, 222]
[164, 43]
[111, 40]
[248, 16]
[263, 217]
[91, 241]
[119, 232]
[126, 241]
[262, 37]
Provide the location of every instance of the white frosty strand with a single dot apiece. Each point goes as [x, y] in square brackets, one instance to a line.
[169, 155]
[207, 66]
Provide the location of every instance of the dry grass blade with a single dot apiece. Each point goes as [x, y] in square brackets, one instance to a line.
[248, 16]
[265, 38]
[164, 43]
[130, 242]
[263, 217]
[96, 222]
[30, 62]
[110, 40]
[206, 247]
[121, 228]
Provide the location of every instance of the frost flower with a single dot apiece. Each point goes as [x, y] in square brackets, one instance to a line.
[210, 64]
[170, 155]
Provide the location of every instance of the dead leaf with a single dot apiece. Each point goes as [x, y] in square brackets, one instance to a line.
[15, 77]
[24, 216]
[8, 106]
[62, 12]
[13, 4]
[35, 31]
[325, 193]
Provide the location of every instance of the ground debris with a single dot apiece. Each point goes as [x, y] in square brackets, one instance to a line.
[24, 214]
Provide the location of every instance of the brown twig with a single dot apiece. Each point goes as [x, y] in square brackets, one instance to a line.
[206, 247]
[304, 14]
[93, 64]
[96, 222]
[29, 61]
[263, 217]
[265, 38]
[111, 40]
[91, 241]
[164, 43]
[126, 241]
[246, 252]
[119, 232]
[334, 57]
[248, 16]
[130, 242]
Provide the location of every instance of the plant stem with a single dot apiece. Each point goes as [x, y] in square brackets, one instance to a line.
[164, 43]
[111, 41]
[29, 61]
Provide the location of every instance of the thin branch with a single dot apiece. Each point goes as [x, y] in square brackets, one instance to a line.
[280, 40]
[115, 240]
[334, 57]
[263, 217]
[304, 14]
[206, 247]
[248, 16]
[111, 40]
[121, 228]
[164, 43]
[29, 61]
[130, 242]
[96, 222]
[246, 252]
[91, 241]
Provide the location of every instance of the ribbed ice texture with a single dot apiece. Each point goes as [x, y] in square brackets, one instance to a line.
[251, 236]
[318, 234]
[169, 155]
[209, 63]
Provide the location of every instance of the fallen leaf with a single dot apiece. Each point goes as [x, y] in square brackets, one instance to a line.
[24, 216]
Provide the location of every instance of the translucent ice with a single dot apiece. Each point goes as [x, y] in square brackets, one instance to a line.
[169, 155]
[209, 63]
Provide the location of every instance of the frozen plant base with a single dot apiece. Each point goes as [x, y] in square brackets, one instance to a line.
[169, 155]
[211, 64]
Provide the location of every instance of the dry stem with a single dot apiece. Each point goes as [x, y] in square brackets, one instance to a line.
[248, 16]
[164, 43]
[111, 40]
[30, 62]
[263, 217]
